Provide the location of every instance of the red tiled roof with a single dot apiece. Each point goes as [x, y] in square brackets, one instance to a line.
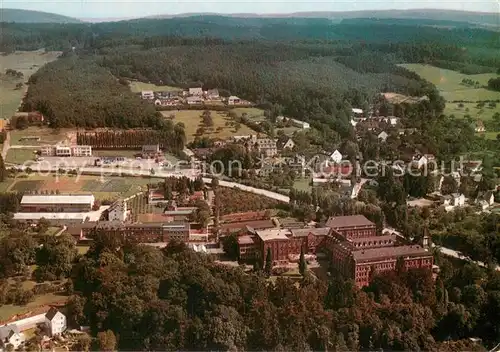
[257, 224]
[390, 252]
[338, 222]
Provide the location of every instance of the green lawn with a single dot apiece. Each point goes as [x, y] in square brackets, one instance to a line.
[137, 87]
[8, 310]
[19, 156]
[448, 83]
[192, 121]
[484, 114]
[47, 136]
[302, 184]
[255, 114]
[116, 153]
[491, 135]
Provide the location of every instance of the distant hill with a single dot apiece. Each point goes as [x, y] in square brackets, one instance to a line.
[28, 16]
[484, 18]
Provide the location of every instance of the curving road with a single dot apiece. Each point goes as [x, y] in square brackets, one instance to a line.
[191, 173]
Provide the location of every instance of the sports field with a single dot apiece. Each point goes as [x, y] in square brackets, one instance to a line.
[106, 188]
[29, 136]
[223, 127]
[137, 87]
[27, 62]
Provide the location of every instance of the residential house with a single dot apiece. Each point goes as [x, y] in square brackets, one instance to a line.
[479, 127]
[420, 160]
[147, 94]
[233, 100]
[11, 335]
[357, 112]
[454, 200]
[336, 156]
[290, 144]
[194, 100]
[354, 123]
[382, 136]
[55, 322]
[213, 94]
[266, 147]
[294, 122]
[485, 200]
[197, 91]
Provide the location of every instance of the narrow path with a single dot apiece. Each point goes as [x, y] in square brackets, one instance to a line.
[6, 145]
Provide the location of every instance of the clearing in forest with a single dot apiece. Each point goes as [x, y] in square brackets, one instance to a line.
[223, 126]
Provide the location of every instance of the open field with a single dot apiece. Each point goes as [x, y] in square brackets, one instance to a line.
[28, 62]
[109, 188]
[491, 135]
[8, 310]
[255, 114]
[19, 156]
[448, 83]
[137, 87]
[192, 121]
[303, 184]
[47, 136]
[485, 113]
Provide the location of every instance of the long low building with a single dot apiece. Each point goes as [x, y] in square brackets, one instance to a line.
[60, 203]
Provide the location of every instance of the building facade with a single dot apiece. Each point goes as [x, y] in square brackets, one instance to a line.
[66, 150]
[61, 203]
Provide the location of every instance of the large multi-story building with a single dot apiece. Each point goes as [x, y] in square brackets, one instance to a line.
[60, 203]
[267, 147]
[353, 226]
[144, 232]
[66, 150]
[352, 243]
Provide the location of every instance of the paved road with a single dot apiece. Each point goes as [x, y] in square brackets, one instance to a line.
[191, 173]
[444, 250]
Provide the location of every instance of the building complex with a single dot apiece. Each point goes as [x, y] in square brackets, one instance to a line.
[351, 242]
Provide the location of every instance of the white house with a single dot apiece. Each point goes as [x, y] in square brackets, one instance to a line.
[353, 123]
[147, 94]
[336, 156]
[383, 136]
[55, 322]
[197, 91]
[357, 112]
[479, 128]
[289, 144]
[232, 100]
[454, 200]
[10, 334]
[194, 100]
[213, 94]
[485, 200]
[118, 211]
[422, 160]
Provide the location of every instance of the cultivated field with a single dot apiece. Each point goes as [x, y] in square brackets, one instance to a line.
[448, 83]
[137, 87]
[107, 188]
[223, 125]
[47, 136]
[27, 62]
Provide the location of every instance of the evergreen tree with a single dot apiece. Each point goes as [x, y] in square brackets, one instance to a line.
[3, 170]
[302, 263]
[269, 262]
